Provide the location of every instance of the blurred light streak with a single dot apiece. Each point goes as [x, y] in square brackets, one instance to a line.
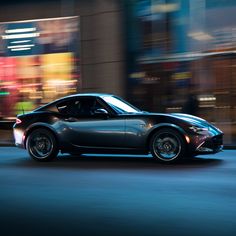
[164, 8]
[4, 93]
[21, 46]
[21, 41]
[20, 49]
[23, 30]
[18, 36]
[201, 36]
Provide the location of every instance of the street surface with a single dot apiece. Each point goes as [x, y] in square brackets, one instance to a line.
[116, 195]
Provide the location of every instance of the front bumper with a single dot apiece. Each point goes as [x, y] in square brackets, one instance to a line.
[211, 145]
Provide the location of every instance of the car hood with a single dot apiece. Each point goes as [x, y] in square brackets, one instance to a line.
[194, 120]
[186, 118]
[190, 118]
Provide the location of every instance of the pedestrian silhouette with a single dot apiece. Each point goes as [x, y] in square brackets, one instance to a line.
[191, 105]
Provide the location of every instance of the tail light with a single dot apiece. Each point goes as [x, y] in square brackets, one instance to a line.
[18, 121]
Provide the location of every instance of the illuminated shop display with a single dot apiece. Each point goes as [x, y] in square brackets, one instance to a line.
[38, 63]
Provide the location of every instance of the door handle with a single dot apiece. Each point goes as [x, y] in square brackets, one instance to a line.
[70, 119]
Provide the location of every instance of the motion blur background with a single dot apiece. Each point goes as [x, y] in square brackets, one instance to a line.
[154, 53]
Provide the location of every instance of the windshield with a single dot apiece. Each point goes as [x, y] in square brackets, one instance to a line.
[119, 105]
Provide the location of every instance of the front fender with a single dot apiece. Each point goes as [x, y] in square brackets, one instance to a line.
[157, 127]
[167, 125]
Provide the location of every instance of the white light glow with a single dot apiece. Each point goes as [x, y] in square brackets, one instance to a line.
[19, 36]
[200, 36]
[18, 136]
[20, 49]
[21, 41]
[23, 30]
[22, 46]
[168, 7]
[207, 99]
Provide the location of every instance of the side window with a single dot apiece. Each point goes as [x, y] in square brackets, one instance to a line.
[52, 108]
[69, 107]
[96, 105]
[80, 107]
[87, 106]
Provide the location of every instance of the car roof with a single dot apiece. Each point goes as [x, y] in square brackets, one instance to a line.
[87, 94]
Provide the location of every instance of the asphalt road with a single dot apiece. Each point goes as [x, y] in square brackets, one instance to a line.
[102, 195]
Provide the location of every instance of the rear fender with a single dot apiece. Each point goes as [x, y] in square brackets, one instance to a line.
[39, 125]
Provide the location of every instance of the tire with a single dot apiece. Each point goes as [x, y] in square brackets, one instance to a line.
[41, 145]
[167, 146]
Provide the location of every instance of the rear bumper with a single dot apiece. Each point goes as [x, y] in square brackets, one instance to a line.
[19, 138]
[19, 145]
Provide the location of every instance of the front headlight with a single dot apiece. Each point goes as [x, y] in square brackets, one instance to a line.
[198, 129]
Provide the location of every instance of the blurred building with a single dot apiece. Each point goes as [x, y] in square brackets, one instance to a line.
[155, 53]
[181, 47]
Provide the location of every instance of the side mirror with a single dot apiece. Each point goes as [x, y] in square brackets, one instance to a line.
[101, 111]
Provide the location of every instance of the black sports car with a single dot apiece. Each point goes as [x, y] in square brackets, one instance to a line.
[104, 123]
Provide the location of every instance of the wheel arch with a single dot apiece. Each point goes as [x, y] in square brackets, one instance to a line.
[38, 126]
[165, 125]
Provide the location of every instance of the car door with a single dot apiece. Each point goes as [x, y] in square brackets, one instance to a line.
[85, 128]
[136, 131]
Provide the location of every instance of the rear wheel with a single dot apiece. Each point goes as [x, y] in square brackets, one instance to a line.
[167, 145]
[42, 145]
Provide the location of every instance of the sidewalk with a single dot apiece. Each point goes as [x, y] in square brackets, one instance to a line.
[6, 133]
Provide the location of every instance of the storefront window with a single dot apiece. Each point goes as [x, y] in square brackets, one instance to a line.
[38, 63]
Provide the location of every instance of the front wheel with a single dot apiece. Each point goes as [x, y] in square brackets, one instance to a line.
[41, 145]
[167, 145]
